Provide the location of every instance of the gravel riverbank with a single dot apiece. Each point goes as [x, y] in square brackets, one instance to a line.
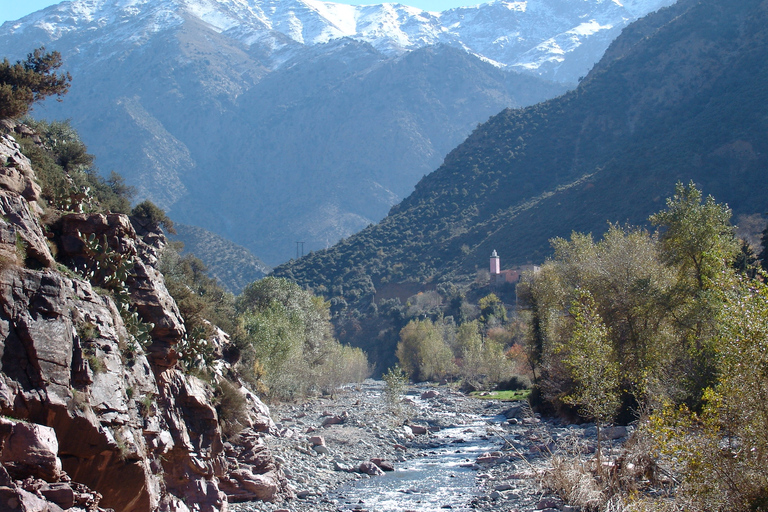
[326, 448]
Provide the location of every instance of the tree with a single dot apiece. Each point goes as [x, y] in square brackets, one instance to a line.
[698, 241]
[422, 351]
[697, 235]
[25, 83]
[491, 307]
[720, 455]
[763, 257]
[592, 363]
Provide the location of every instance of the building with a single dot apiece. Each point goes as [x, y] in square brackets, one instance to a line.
[509, 276]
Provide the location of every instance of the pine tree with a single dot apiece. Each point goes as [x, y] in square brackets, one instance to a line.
[25, 83]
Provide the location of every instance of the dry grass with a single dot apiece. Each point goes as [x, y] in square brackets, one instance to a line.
[630, 481]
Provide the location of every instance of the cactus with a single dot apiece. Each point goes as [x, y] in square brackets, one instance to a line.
[110, 269]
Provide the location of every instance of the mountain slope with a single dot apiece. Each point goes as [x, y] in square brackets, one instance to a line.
[276, 121]
[680, 96]
[232, 265]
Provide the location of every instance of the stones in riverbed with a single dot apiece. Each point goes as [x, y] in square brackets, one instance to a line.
[613, 433]
[369, 468]
[335, 420]
[489, 458]
[549, 504]
[429, 394]
[316, 440]
[418, 430]
[384, 465]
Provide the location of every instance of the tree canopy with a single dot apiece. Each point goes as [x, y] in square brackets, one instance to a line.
[24, 83]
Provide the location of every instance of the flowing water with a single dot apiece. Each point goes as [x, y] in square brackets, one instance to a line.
[443, 478]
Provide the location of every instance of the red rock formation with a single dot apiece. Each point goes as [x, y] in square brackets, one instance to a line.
[91, 405]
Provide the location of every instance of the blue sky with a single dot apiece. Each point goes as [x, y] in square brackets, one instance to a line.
[15, 9]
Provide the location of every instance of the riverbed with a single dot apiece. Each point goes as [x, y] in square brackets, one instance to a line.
[445, 451]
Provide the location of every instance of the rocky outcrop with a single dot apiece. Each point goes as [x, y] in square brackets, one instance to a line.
[95, 415]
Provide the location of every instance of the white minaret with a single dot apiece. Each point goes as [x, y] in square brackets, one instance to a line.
[495, 264]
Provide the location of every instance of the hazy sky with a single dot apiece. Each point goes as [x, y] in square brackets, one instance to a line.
[15, 9]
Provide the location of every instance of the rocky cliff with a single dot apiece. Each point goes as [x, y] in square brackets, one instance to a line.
[96, 412]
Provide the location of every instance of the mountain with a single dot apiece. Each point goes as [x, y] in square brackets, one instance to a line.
[272, 122]
[232, 265]
[679, 96]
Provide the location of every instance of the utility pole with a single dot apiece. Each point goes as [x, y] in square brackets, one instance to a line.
[297, 249]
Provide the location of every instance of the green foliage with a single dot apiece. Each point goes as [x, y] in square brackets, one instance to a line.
[507, 396]
[592, 365]
[106, 267]
[65, 173]
[697, 236]
[423, 353]
[152, 216]
[492, 310]
[764, 252]
[287, 342]
[720, 453]
[395, 381]
[24, 83]
[202, 304]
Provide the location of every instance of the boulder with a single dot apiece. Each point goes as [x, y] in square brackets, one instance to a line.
[16, 174]
[384, 465]
[316, 440]
[30, 450]
[250, 486]
[429, 394]
[322, 450]
[61, 494]
[369, 468]
[335, 420]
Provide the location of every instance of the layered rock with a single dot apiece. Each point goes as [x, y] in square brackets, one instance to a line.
[91, 403]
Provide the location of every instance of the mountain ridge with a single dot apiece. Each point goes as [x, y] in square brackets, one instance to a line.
[246, 132]
[678, 100]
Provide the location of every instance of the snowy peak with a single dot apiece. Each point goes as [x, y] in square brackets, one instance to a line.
[534, 36]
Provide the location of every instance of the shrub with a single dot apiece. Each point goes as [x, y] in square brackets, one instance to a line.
[152, 216]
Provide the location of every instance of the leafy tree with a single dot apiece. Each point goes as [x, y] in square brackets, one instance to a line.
[746, 262]
[698, 241]
[395, 381]
[24, 83]
[591, 361]
[492, 308]
[287, 341]
[423, 353]
[697, 234]
[720, 455]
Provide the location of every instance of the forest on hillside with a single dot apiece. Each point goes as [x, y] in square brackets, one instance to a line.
[678, 96]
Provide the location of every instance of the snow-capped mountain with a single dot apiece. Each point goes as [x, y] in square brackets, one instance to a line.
[271, 121]
[535, 36]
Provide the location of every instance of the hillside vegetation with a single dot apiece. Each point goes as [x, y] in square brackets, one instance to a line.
[232, 265]
[678, 97]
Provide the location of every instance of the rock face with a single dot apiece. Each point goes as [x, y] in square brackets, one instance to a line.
[90, 402]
